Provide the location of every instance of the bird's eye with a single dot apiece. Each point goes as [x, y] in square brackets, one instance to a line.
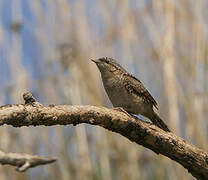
[107, 61]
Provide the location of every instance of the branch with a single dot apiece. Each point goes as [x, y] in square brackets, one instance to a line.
[24, 161]
[168, 144]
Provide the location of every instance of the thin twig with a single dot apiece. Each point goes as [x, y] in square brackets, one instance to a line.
[24, 161]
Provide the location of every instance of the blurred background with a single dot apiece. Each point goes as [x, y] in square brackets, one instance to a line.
[45, 47]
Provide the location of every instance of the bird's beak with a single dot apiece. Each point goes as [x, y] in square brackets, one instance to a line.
[95, 61]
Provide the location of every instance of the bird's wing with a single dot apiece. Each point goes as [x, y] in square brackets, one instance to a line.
[134, 85]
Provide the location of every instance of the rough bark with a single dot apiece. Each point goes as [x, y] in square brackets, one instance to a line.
[32, 113]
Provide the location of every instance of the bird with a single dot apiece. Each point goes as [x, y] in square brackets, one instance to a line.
[127, 92]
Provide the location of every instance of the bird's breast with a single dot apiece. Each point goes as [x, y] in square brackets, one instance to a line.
[120, 97]
[116, 92]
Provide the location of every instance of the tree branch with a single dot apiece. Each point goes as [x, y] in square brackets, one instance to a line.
[24, 161]
[34, 114]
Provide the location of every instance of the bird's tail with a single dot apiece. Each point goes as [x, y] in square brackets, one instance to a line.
[159, 122]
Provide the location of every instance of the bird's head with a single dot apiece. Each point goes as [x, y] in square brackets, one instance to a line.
[108, 66]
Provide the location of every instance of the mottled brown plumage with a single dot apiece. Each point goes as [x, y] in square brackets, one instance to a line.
[134, 85]
[126, 91]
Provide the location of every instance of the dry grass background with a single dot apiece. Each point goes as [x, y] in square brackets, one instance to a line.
[45, 47]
